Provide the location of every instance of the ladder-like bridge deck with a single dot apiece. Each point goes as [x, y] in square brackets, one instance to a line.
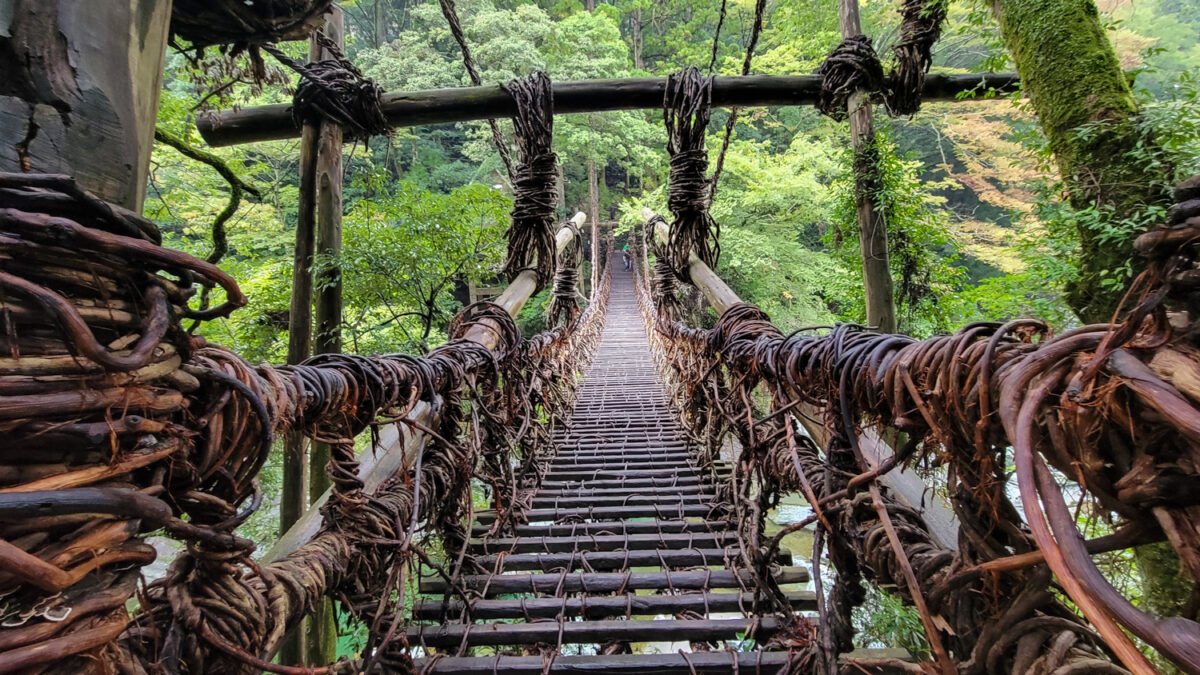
[623, 547]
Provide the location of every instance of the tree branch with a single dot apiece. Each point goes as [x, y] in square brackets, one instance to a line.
[237, 188]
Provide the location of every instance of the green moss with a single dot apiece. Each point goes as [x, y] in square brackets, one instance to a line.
[1088, 113]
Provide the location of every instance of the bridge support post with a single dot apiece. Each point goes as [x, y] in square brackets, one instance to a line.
[872, 225]
[318, 231]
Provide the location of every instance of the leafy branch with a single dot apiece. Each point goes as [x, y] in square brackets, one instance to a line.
[238, 188]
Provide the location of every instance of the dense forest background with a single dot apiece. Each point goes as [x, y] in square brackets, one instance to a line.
[978, 230]
[978, 226]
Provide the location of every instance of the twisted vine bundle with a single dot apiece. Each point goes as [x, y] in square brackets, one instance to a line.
[1113, 408]
[853, 65]
[335, 89]
[117, 422]
[564, 307]
[686, 111]
[531, 234]
[241, 24]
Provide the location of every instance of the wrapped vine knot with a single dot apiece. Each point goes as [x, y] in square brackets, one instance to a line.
[241, 24]
[1172, 250]
[563, 305]
[686, 109]
[96, 393]
[335, 90]
[531, 234]
[664, 284]
[851, 67]
[921, 28]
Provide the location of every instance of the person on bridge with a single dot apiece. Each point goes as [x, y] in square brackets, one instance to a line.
[625, 258]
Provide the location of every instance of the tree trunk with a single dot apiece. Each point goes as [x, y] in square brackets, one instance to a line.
[1074, 79]
[79, 85]
[635, 31]
[872, 225]
[380, 20]
[594, 216]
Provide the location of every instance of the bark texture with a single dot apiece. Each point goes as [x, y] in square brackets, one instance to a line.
[1075, 84]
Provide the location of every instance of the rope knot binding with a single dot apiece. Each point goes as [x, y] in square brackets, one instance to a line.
[686, 110]
[335, 90]
[531, 234]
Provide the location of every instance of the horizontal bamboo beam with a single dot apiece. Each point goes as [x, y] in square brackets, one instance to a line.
[461, 104]
[399, 443]
[906, 485]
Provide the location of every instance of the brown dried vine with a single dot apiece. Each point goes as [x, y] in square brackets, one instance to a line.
[117, 423]
[1112, 408]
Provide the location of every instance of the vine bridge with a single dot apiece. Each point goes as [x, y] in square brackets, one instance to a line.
[593, 497]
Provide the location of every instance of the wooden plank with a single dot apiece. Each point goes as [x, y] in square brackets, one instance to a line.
[660, 511]
[608, 582]
[603, 542]
[615, 527]
[583, 632]
[562, 502]
[683, 464]
[627, 483]
[865, 662]
[617, 560]
[461, 104]
[605, 606]
[623, 459]
[692, 489]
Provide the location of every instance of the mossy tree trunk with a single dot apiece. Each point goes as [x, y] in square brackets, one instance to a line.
[1075, 83]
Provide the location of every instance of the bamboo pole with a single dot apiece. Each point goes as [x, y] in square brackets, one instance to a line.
[872, 225]
[461, 104]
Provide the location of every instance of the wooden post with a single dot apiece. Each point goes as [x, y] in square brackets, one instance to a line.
[322, 627]
[872, 226]
[79, 86]
[295, 500]
[594, 216]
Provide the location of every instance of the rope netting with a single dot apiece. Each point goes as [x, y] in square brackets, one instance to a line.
[1100, 422]
[118, 423]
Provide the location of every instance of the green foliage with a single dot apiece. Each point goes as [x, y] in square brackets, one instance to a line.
[405, 249]
[922, 255]
[884, 620]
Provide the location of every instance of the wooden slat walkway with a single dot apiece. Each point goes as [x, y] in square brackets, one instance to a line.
[623, 547]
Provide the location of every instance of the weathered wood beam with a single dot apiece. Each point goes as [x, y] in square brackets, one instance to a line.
[461, 104]
[79, 87]
[909, 488]
[860, 662]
